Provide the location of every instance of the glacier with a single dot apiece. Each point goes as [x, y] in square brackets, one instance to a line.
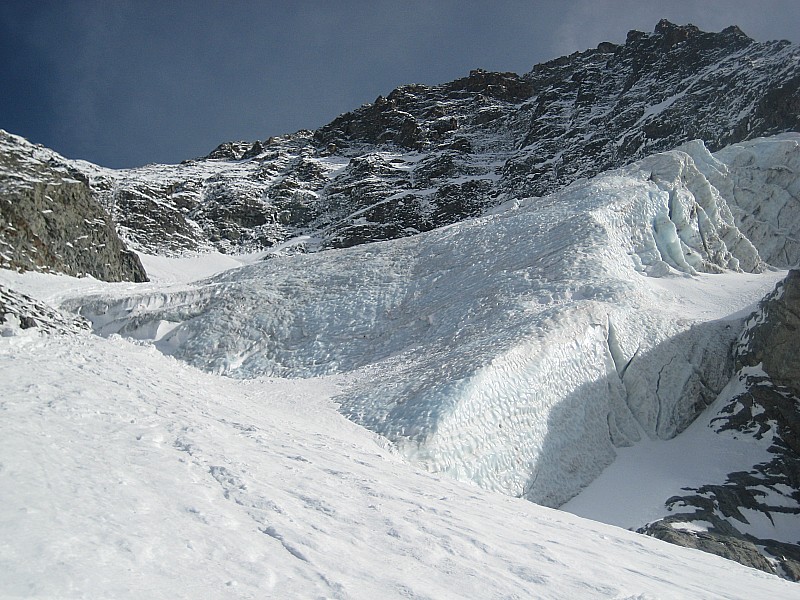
[518, 350]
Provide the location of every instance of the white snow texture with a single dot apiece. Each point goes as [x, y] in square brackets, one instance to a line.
[126, 474]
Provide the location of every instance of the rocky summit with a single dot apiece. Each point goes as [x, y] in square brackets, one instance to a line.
[426, 156]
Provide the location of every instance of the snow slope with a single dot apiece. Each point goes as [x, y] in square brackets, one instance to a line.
[632, 491]
[127, 474]
[518, 350]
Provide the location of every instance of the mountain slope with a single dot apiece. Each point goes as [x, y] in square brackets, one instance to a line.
[523, 350]
[756, 507]
[475, 343]
[50, 218]
[520, 350]
[127, 473]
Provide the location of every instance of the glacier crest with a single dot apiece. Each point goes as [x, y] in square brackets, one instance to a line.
[508, 350]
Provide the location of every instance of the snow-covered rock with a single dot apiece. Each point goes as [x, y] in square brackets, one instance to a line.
[20, 313]
[427, 156]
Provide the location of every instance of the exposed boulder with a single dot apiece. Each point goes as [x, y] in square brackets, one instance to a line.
[728, 546]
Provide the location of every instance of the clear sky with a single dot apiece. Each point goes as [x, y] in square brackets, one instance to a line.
[124, 83]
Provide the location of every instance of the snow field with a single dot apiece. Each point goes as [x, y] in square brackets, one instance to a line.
[524, 351]
[126, 473]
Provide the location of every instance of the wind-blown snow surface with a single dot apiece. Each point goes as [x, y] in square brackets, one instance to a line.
[127, 474]
[517, 350]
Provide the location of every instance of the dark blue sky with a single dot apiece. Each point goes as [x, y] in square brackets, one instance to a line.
[124, 83]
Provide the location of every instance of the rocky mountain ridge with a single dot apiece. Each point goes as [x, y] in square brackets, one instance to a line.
[427, 156]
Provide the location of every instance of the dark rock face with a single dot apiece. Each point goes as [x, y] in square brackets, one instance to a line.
[768, 408]
[727, 546]
[50, 221]
[773, 338]
[416, 117]
[603, 109]
[236, 150]
[427, 156]
[20, 312]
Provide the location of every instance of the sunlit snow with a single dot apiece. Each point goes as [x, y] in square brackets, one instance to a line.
[128, 474]
[552, 349]
[509, 350]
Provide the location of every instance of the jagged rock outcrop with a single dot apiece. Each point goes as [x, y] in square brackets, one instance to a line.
[729, 544]
[426, 156]
[21, 312]
[51, 221]
[749, 517]
[600, 108]
[772, 338]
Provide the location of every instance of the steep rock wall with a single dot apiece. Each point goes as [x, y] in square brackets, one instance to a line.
[50, 220]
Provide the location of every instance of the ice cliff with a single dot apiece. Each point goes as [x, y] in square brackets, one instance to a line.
[751, 514]
[516, 350]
